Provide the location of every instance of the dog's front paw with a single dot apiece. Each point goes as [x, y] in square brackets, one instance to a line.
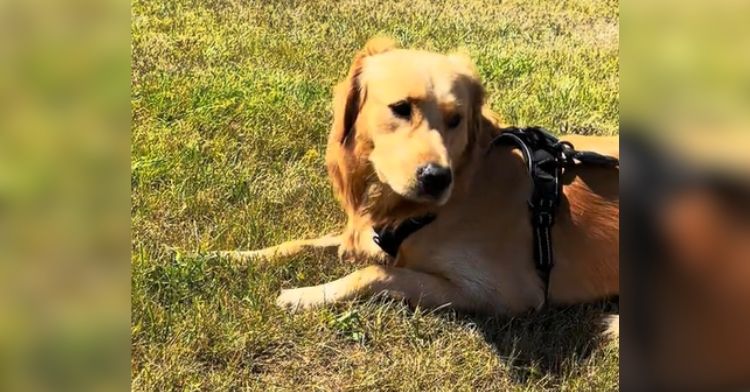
[301, 298]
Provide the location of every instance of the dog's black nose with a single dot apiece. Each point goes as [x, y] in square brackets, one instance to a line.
[434, 179]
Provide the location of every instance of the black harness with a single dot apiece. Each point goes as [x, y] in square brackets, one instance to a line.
[546, 159]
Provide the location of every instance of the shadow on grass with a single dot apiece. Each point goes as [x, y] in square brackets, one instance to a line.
[549, 342]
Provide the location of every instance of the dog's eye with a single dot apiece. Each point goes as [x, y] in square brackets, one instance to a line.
[401, 109]
[453, 120]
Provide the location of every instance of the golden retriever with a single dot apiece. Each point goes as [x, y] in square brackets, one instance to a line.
[411, 136]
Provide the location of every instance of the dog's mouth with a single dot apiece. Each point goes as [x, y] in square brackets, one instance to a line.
[424, 194]
[430, 184]
[442, 198]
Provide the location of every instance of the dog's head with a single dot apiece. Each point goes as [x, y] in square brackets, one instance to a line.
[403, 122]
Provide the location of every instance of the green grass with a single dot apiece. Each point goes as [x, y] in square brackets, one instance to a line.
[230, 112]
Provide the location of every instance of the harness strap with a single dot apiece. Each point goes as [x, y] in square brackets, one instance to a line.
[546, 157]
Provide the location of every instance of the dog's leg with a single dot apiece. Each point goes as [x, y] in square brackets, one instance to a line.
[286, 249]
[416, 287]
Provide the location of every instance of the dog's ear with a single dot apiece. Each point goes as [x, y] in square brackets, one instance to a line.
[348, 98]
[348, 95]
[470, 78]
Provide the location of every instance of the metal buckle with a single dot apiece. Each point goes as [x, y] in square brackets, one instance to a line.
[566, 152]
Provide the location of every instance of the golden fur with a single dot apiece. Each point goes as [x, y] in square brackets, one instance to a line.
[477, 254]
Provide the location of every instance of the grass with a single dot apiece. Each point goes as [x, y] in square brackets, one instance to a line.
[230, 112]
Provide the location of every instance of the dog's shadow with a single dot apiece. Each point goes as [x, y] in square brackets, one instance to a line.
[550, 342]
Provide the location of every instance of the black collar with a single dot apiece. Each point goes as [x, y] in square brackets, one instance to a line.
[546, 158]
[390, 239]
